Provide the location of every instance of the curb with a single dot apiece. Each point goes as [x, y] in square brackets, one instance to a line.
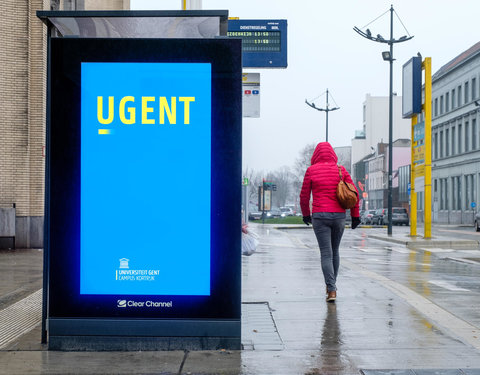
[309, 226]
[417, 244]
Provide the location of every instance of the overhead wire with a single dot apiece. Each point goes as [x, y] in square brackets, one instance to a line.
[394, 11]
[318, 96]
[375, 19]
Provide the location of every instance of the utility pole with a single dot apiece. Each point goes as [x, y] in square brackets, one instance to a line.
[326, 110]
[387, 56]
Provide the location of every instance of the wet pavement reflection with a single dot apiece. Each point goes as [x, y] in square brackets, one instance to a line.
[396, 309]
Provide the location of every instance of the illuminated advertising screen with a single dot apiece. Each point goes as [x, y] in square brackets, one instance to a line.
[143, 193]
[146, 151]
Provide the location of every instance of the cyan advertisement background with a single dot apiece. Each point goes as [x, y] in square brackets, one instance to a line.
[145, 188]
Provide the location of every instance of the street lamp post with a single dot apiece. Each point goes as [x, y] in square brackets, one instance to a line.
[326, 110]
[387, 56]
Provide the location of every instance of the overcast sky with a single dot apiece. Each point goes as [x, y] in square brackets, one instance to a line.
[324, 52]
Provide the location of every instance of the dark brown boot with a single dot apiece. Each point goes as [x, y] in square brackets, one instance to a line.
[332, 296]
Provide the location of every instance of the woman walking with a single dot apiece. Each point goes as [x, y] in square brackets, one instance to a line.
[321, 180]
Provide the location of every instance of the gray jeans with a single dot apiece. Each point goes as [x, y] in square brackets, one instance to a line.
[328, 228]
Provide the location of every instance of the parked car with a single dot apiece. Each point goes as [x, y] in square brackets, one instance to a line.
[367, 217]
[287, 211]
[477, 222]
[254, 214]
[275, 213]
[399, 216]
[380, 216]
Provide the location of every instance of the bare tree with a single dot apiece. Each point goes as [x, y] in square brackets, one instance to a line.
[255, 180]
[282, 178]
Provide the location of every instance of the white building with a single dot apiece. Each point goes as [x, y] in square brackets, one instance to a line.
[456, 139]
[375, 126]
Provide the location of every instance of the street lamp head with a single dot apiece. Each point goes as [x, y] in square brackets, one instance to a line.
[379, 37]
[386, 56]
[369, 33]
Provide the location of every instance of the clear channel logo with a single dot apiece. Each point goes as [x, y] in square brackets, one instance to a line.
[123, 303]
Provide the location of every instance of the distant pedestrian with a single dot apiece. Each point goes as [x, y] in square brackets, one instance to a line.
[320, 181]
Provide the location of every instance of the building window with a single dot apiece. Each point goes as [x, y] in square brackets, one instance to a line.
[459, 99]
[441, 105]
[474, 88]
[443, 194]
[447, 102]
[447, 142]
[466, 92]
[459, 138]
[466, 136]
[474, 134]
[453, 98]
[420, 201]
[441, 144]
[453, 140]
[435, 145]
[458, 193]
[364, 113]
[436, 107]
[469, 197]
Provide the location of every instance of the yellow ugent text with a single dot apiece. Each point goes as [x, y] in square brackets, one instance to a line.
[154, 110]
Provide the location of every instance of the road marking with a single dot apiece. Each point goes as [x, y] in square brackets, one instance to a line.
[463, 260]
[383, 249]
[19, 318]
[437, 250]
[402, 250]
[460, 231]
[448, 286]
[457, 327]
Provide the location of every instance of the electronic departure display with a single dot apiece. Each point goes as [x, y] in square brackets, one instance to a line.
[264, 42]
[258, 41]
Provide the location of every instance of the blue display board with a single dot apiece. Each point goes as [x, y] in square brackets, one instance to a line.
[264, 42]
[145, 156]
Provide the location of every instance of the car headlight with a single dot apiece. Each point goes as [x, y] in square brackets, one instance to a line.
[283, 215]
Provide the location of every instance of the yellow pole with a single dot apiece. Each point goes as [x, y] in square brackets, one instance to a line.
[413, 194]
[427, 65]
[184, 4]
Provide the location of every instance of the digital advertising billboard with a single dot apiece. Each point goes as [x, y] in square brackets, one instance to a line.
[145, 144]
[143, 187]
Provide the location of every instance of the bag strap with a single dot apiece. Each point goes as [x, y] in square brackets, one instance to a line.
[340, 173]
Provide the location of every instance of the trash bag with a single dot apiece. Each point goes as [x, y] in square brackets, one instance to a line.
[249, 243]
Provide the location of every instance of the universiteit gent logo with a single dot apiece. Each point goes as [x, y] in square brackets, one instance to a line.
[124, 263]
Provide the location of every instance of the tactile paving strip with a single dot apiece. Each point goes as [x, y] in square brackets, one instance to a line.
[20, 317]
[259, 331]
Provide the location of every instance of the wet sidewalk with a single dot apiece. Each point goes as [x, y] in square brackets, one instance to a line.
[287, 327]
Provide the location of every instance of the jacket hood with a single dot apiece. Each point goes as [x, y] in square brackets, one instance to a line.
[324, 154]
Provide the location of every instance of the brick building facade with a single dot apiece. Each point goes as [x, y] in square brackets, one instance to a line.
[22, 117]
[23, 51]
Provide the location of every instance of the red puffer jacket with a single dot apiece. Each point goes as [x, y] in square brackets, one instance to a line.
[321, 179]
